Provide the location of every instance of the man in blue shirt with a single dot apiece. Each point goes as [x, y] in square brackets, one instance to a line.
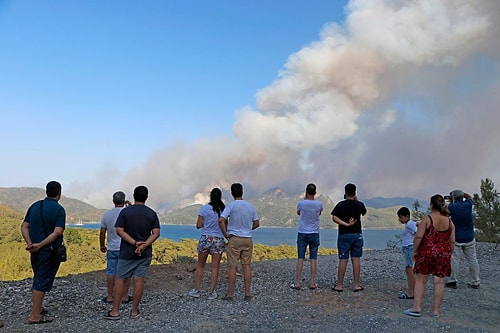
[461, 215]
[43, 225]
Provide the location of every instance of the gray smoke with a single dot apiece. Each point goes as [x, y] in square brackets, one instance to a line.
[402, 99]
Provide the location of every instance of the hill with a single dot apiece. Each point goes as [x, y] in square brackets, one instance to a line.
[20, 198]
[276, 208]
[380, 202]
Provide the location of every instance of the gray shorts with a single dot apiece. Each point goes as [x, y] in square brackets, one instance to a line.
[136, 267]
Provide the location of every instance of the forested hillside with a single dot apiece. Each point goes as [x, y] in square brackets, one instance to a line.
[275, 208]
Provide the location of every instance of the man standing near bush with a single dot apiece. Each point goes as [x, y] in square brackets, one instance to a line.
[43, 225]
[139, 227]
[347, 214]
[236, 222]
[113, 249]
[461, 216]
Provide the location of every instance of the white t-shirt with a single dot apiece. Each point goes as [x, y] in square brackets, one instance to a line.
[240, 215]
[310, 211]
[108, 223]
[210, 221]
[409, 233]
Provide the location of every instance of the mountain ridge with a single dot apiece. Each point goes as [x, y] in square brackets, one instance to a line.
[276, 208]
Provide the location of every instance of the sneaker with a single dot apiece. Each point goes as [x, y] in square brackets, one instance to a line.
[452, 285]
[473, 286]
[212, 295]
[194, 293]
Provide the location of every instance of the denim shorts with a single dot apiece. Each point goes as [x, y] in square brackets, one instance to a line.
[44, 270]
[112, 262]
[303, 240]
[136, 267]
[350, 244]
[408, 255]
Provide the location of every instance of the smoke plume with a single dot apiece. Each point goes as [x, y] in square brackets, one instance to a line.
[401, 99]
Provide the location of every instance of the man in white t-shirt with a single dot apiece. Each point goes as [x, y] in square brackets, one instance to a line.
[309, 211]
[236, 222]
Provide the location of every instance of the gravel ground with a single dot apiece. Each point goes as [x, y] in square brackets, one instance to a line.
[75, 301]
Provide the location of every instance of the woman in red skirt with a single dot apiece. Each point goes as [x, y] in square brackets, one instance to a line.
[432, 248]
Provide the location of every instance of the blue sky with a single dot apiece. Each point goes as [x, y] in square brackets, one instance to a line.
[106, 95]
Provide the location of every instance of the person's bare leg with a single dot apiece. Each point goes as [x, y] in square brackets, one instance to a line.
[110, 283]
[231, 281]
[247, 277]
[314, 263]
[215, 271]
[298, 274]
[419, 290]
[126, 289]
[200, 268]
[341, 274]
[138, 292]
[356, 272]
[411, 281]
[119, 290]
[438, 294]
[36, 306]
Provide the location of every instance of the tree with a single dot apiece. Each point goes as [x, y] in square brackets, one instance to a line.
[487, 212]
[416, 214]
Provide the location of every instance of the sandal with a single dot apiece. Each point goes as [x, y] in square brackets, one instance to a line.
[43, 320]
[293, 286]
[128, 300]
[405, 296]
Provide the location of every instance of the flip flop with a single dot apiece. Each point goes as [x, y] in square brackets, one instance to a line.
[337, 290]
[134, 316]
[128, 300]
[109, 316]
[314, 287]
[43, 320]
[293, 286]
[405, 296]
[411, 313]
[359, 289]
[105, 300]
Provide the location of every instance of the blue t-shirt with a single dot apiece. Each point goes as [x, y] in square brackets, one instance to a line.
[138, 221]
[54, 216]
[461, 216]
[309, 210]
[210, 221]
[240, 215]
[347, 209]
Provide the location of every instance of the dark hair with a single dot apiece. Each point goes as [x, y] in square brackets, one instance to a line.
[141, 193]
[403, 211]
[52, 189]
[216, 201]
[350, 189]
[311, 189]
[237, 190]
[438, 203]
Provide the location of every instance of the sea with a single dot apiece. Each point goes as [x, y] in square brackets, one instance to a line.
[374, 239]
